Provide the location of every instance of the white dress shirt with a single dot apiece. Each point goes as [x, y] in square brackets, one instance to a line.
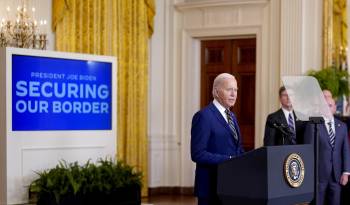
[326, 121]
[221, 109]
[286, 115]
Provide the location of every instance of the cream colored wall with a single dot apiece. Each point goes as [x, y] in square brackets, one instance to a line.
[312, 35]
[164, 102]
[288, 43]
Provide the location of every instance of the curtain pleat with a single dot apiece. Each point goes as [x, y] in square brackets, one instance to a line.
[334, 33]
[120, 28]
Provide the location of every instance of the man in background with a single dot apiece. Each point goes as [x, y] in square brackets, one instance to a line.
[327, 94]
[282, 127]
[334, 156]
[215, 138]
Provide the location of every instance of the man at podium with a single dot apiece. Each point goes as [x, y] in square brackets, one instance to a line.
[215, 137]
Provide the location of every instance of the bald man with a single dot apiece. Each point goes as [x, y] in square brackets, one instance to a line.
[215, 138]
[327, 94]
[334, 156]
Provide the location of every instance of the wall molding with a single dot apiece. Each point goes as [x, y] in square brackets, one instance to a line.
[224, 32]
[218, 3]
[251, 18]
[291, 37]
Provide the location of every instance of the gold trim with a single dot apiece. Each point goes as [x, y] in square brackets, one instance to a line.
[294, 182]
[327, 33]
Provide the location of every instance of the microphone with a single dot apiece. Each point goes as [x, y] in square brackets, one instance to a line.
[276, 124]
[285, 130]
[282, 128]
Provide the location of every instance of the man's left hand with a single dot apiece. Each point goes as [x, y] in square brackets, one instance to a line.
[344, 179]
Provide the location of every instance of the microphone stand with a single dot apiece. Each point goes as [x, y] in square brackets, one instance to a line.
[282, 128]
[315, 121]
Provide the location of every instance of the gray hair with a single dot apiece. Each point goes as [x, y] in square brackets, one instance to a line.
[219, 80]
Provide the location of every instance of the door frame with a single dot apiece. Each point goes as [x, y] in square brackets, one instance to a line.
[191, 71]
[194, 22]
[230, 65]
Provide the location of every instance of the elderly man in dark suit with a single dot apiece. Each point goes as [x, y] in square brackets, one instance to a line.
[282, 126]
[334, 156]
[215, 138]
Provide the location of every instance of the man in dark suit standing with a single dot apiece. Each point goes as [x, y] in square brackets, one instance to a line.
[215, 137]
[281, 127]
[334, 156]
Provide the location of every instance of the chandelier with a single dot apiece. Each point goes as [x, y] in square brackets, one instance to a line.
[23, 31]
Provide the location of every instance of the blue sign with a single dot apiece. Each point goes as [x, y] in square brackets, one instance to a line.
[60, 94]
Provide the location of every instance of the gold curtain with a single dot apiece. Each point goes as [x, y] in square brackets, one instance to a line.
[120, 28]
[334, 33]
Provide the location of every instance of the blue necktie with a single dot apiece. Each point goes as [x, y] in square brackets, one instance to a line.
[231, 124]
[331, 134]
[291, 122]
[291, 127]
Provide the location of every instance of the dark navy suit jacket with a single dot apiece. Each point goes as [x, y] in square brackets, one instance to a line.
[337, 158]
[273, 136]
[212, 142]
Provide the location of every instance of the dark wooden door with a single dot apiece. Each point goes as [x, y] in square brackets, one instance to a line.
[238, 57]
